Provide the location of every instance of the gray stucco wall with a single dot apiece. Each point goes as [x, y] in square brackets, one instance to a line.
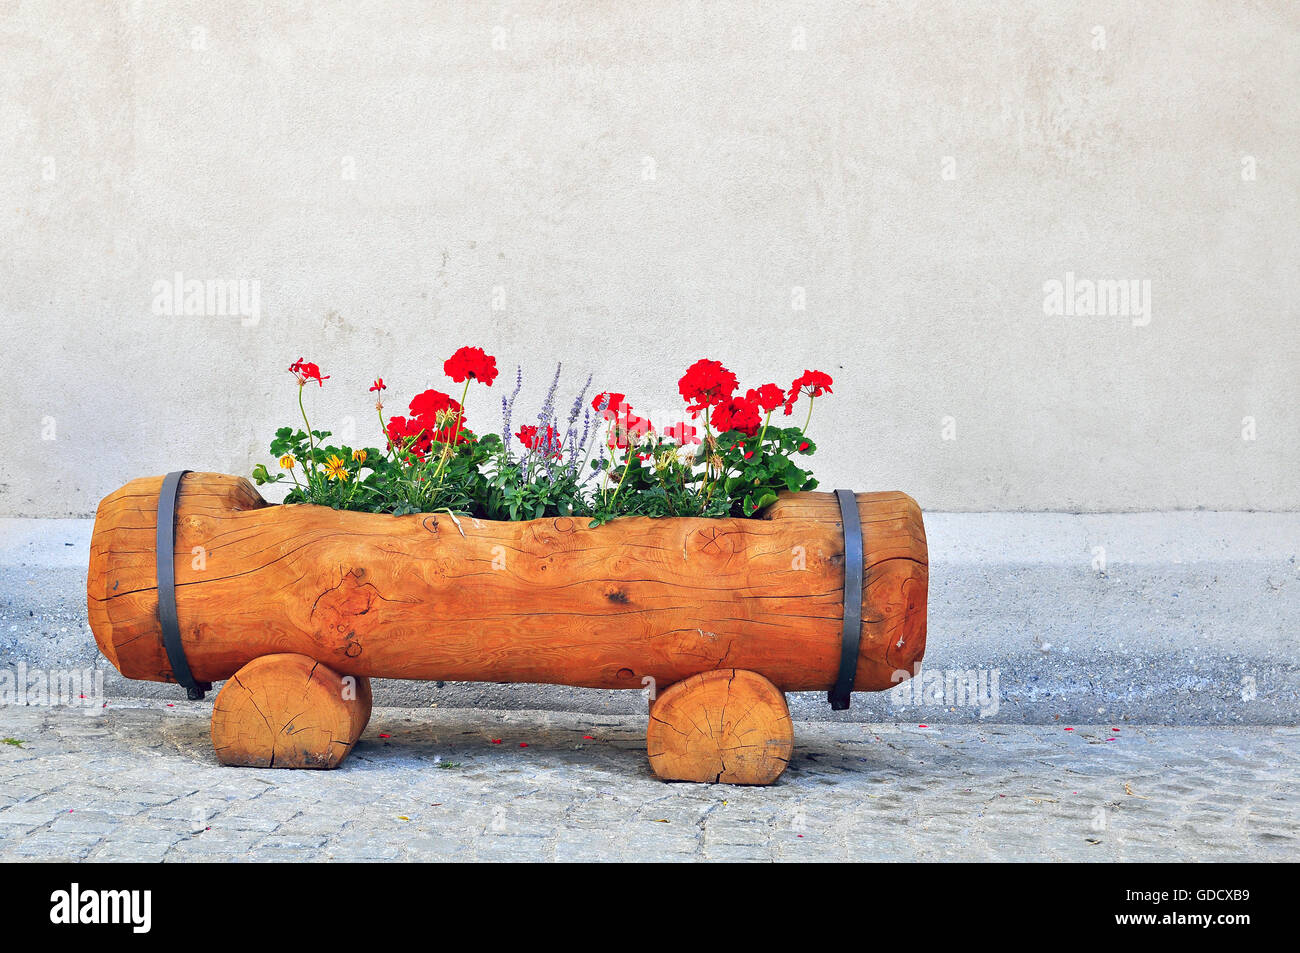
[627, 187]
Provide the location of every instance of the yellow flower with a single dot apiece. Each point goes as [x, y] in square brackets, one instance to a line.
[336, 469]
[359, 456]
[286, 462]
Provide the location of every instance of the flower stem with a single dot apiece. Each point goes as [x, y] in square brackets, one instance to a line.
[311, 441]
[708, 450]
[383, 432]
[604, 479]
[809, 420]
[460, 414]
[626, 467]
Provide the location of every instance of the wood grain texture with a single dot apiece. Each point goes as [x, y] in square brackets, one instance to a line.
[550, 600]
[288, 711]
[726, 725]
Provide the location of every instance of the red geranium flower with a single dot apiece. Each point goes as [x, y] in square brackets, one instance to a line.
[812, 383]
[769, 397]
[305, 372]
[615, 410]
[737, 413]
[379, 384]
[816, 382]
[683, 433]
[431, 403]
[471, 362]
[628, 429]
[706, 384]
[400, 431]
[417, 434]
[548, 443]
[608, 403]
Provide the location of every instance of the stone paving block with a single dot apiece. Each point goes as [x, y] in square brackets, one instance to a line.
[27, 816]
[48, 845]
[113, 851]
[85, 822]
[363, 850]
[510, 848]
[292, 840]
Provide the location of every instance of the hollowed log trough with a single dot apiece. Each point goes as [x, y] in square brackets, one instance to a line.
[297, 606]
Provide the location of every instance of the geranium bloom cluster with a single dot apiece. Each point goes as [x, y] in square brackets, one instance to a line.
[710, 389]
[435, 418]
[602, 459]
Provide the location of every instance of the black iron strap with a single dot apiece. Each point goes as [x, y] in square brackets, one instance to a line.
[165, 553]
[839, 695]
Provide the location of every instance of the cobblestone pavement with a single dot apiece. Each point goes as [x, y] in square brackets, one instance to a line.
[139, 782]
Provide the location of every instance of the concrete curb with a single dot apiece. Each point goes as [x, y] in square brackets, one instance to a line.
[1158, 618]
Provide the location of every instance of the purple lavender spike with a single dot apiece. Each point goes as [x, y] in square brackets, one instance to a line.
[579, 401]
[508, 409]
[548, 407]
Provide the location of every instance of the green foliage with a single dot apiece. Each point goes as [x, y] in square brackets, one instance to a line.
[730, 474]
[522, 490]
[623, 468]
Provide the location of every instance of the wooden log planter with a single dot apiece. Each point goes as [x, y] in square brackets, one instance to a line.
[296, 607]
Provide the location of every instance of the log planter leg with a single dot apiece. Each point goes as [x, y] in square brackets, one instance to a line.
[726, 725]
[288, 711]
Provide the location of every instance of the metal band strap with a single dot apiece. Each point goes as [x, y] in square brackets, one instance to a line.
[839, 695]
[165, 553]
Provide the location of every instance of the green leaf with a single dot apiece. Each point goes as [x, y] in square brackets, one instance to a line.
[261, 476]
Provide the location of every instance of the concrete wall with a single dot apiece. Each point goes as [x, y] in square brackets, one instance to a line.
[638, 185]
